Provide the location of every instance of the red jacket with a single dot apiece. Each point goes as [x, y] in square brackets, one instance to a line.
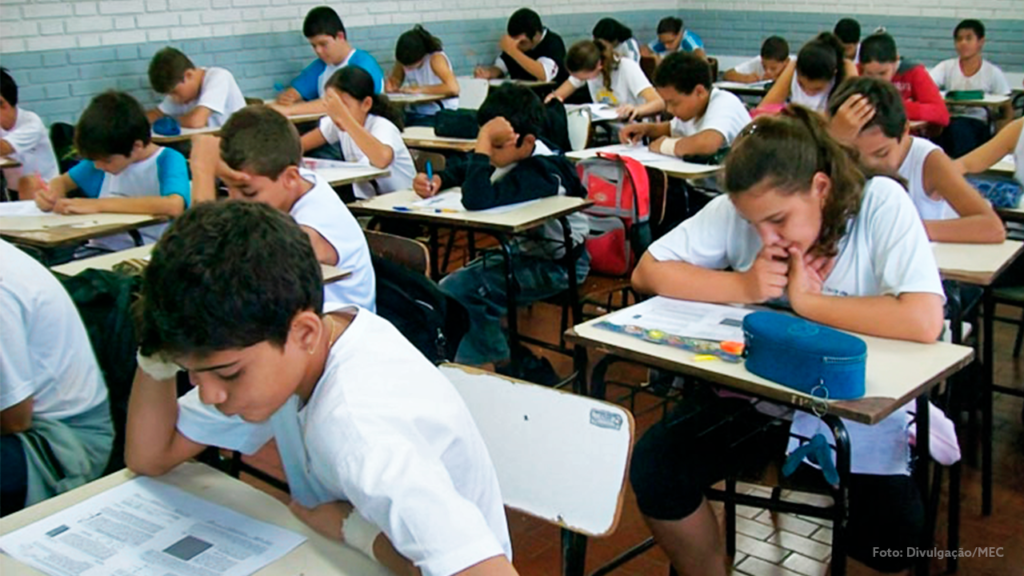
[921, 96]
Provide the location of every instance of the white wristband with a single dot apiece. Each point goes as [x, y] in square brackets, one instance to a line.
[157, 368]
[359, 533]
[668, 146]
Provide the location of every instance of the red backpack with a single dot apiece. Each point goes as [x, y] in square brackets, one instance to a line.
[619, 219]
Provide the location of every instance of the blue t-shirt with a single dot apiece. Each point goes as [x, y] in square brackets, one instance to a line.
[690, 42]
[171, 177]
[308, 82]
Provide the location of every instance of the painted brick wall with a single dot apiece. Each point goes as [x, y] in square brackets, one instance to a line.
[63, 53]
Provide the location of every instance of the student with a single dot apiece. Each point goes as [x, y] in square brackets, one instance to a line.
[511, 164]
[371, 432]
[55, 426]
[705, 119]
[367, 129]
[23, 137]
[811, 79]
[259, 158]
[772, 61]
[619, 37]
[529, 51]
[422, 67]
[1009, 140]
[122, 170]
[848, 32]
[674, 37]
[969, 126]
[326, 34]
[868, 114]
[611, 79]
[195, 97]
[800, 220]
[921, 98]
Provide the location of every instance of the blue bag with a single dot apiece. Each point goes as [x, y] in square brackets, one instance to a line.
[167, 126]
[805, 356]
[1001, 193]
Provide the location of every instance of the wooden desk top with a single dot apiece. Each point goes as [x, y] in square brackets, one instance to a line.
[108, 261]
[188, 133]
[337, 175]
[315, 556]
[424, 137]
[674, 167]
[54, 230]
[978, 264]
[510, 222]
[988, 101]
[897, 371]
[1005, 167]
[6, 162]
[406, 99]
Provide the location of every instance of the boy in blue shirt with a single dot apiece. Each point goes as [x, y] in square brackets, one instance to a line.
[326, 34]
[123, 171]
[674, 37]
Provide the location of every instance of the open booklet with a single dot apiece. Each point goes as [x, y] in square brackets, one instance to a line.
[451, 201]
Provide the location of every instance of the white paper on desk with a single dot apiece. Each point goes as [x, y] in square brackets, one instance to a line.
[146, 528]
[20, 208]
[324, 164]
[685, 318]
[49, 220]
[598, 112]
[639, 152]
[452, 200]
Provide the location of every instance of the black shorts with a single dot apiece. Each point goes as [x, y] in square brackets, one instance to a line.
[14, 480]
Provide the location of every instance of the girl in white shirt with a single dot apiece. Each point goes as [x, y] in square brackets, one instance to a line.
[811, 79]
[800, 220]
[619, 37]
[611, 79]
[368, 130]
[868, 114]
[421, 67]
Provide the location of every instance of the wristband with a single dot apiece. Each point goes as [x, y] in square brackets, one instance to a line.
[668, 146]
[157, 368]
[359, 533]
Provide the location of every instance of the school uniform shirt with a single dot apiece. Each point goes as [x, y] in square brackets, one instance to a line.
[550, 52]
[402, 167]
[629, 50]
[885, 252]
[322, 210]
[817, 102]
[425, 76]
[690, 42]
[725, 114]
[754, 66]
[386, 431]
[912, 170]
[989, 79]
[165, 173]
[219, 93]
[32, 148]
[628, 81]
[310, 82]
[921, 97]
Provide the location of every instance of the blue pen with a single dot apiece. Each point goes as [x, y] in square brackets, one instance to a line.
[430, 176]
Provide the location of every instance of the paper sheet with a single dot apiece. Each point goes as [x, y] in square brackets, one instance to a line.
[21, 208]
[452, 201]
[684, 318]
[24, 223]
[323, 164]
[639, 152]
[146, 528]
[598, 112]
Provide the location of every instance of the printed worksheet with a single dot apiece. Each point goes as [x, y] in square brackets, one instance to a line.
[451, 201]
[684, 318]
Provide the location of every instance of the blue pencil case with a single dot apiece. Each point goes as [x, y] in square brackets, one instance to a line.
[167, 126]
[805, 356]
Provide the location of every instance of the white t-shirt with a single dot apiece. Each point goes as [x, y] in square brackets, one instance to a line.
[989, 78]
[322, 210]
[32, 147]
[817, 102]
[628, 81]
[725, 114]
[386, 431]
[45, 351]
[884, 252]
[754, 66]
[219, 93]
[1018, 158]
[425, 76]
[402, 167]
[629, 50]
[912, 170]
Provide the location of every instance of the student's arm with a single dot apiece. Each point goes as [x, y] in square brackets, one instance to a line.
[312, 107]
[289, 96]
[983, 157]
[632, 133]
[927, 103]
[732, 75]
[16, 371]
[46, 194]
[325, 252]
[5, 148]
[562, 92]
[379, 154]
[779, 92]
[17, 418]
[700, 52]
[533, 67]
[488, 72]
[653, 104]
[312, 140]
[702, 143]
[850, 69]
[196, 118]
[978, 222]
[158, 205]
[153, 444]
[154, 114]
[765, 280]
[449, 85]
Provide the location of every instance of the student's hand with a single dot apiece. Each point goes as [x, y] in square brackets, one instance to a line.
[850, 118]
[497, 132]
[508, 44]
[390, 85]
[627, 112]
[326, 519]
[551, 96]
[287, 97]
[336, 110]
[767, 278]
[481, 72]
[632, 133]
[76, 206]
[38, 189]
[806, 276]
[424, 188]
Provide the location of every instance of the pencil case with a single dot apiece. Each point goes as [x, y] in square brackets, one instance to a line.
[965, 95]
[805, 356]
[167, 126]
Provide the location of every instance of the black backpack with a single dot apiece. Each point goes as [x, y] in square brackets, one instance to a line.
[433, 321]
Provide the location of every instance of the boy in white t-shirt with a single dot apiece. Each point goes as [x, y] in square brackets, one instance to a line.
[55, 423]
[24, 138]
[379, 449]
[772, 61]
[195, 97]
[706, 119]
[259, 158]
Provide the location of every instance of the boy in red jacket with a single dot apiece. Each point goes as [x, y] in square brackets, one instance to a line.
[921, 97]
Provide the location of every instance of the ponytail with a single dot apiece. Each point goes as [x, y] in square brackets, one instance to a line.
[823, 58]
[414, 45]
[785, 152]
[585, 55]
[358, 83]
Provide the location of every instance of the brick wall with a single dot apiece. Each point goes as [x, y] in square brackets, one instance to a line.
[63, 53]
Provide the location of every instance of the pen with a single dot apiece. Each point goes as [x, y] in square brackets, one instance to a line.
[424, 209]
[430, 177]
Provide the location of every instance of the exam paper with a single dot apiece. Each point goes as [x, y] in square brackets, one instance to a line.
[639, 152]
[25, 222]
[452, 200]
[146, 528]
[598, 112]
[684, 318]
[21, 208]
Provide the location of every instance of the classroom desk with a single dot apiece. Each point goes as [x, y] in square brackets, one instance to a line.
[524, 83]
[502, 226]
[188, 133]
[108, 261]
[744, 89]
[6, 162]
[337, 175]
[674, 167]
[56, 230]
[408, 99]
[317, 555]
[988, 101]
[424, 137]
[897, 372]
